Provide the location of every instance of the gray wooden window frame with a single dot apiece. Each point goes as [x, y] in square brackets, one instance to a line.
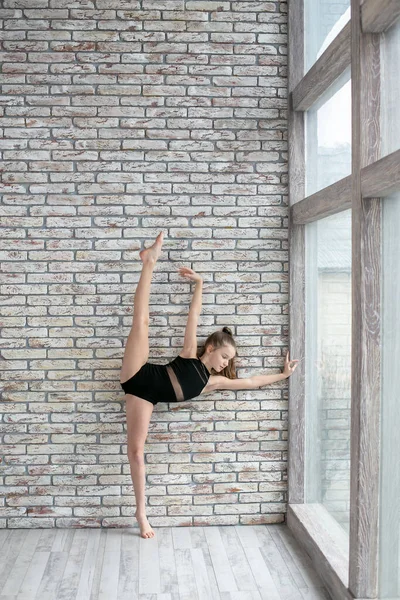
[348, 566]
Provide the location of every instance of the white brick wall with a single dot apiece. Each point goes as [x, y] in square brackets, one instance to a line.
[119, 119]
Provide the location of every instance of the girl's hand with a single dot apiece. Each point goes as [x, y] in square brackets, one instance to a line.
[190, 274]
[288, 369]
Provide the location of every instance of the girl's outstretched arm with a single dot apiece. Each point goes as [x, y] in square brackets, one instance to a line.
[288, 369]
[261, 380]
[190, 341]
[219, 382]
[196, 304]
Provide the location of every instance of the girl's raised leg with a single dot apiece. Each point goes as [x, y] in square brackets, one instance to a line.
[137, 346]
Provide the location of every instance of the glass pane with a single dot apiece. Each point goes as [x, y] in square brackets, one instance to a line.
[328, 136]
[389, 576]
[390, 86]
[323, 19]
[328, 365]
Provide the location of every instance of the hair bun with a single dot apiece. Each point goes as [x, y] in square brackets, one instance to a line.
[227, 330]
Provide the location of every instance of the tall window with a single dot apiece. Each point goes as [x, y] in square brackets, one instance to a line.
[389, 586]
[328, 136]
[323, 21]
[328, 364]
[344, 195]
[389, 510]
[390, 90]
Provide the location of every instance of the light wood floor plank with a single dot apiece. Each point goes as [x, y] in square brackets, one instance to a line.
[98, 566]
[149, 566]
[262, 575]
[4, 534]
[200, 573]
[10, 553]
[319, 594]
[242, 595]
[20, 566]
[46, 540]
[88, 566]
[237, 559]
[247, 536]
[259, 562]
[128, 585]
[300, 557]
[181, 538]
[199, 542]
[223, 572]
[168, 574]
[283, 580]
[33, 576]
[288, 559]
[70, 578]
[110, 571]
[314, 589]
[52, 576]
[186, 577]
[62, 540]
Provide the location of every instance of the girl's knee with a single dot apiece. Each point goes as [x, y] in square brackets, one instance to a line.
[136, 455]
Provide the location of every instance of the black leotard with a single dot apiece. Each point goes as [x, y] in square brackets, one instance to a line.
[178, 380]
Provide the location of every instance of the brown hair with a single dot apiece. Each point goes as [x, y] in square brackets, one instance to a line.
[217, 339]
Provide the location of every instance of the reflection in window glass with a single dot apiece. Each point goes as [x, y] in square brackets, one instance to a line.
[389, 559]
[328, 365]
[328, 136]
[323, 20]
[390, 86]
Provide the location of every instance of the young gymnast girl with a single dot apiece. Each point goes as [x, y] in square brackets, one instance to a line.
[189, 375]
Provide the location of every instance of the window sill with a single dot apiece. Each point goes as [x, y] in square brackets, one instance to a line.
[325, 542]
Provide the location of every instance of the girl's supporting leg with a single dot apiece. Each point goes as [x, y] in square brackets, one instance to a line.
[138, 414]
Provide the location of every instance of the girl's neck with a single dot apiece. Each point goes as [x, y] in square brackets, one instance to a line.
[204, 360]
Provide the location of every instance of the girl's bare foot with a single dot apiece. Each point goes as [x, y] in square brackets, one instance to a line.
[145, 528]
[151, 254]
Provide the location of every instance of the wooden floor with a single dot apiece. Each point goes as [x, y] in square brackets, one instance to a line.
[260, 562]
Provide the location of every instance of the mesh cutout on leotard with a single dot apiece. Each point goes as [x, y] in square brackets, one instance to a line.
[175, 384]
